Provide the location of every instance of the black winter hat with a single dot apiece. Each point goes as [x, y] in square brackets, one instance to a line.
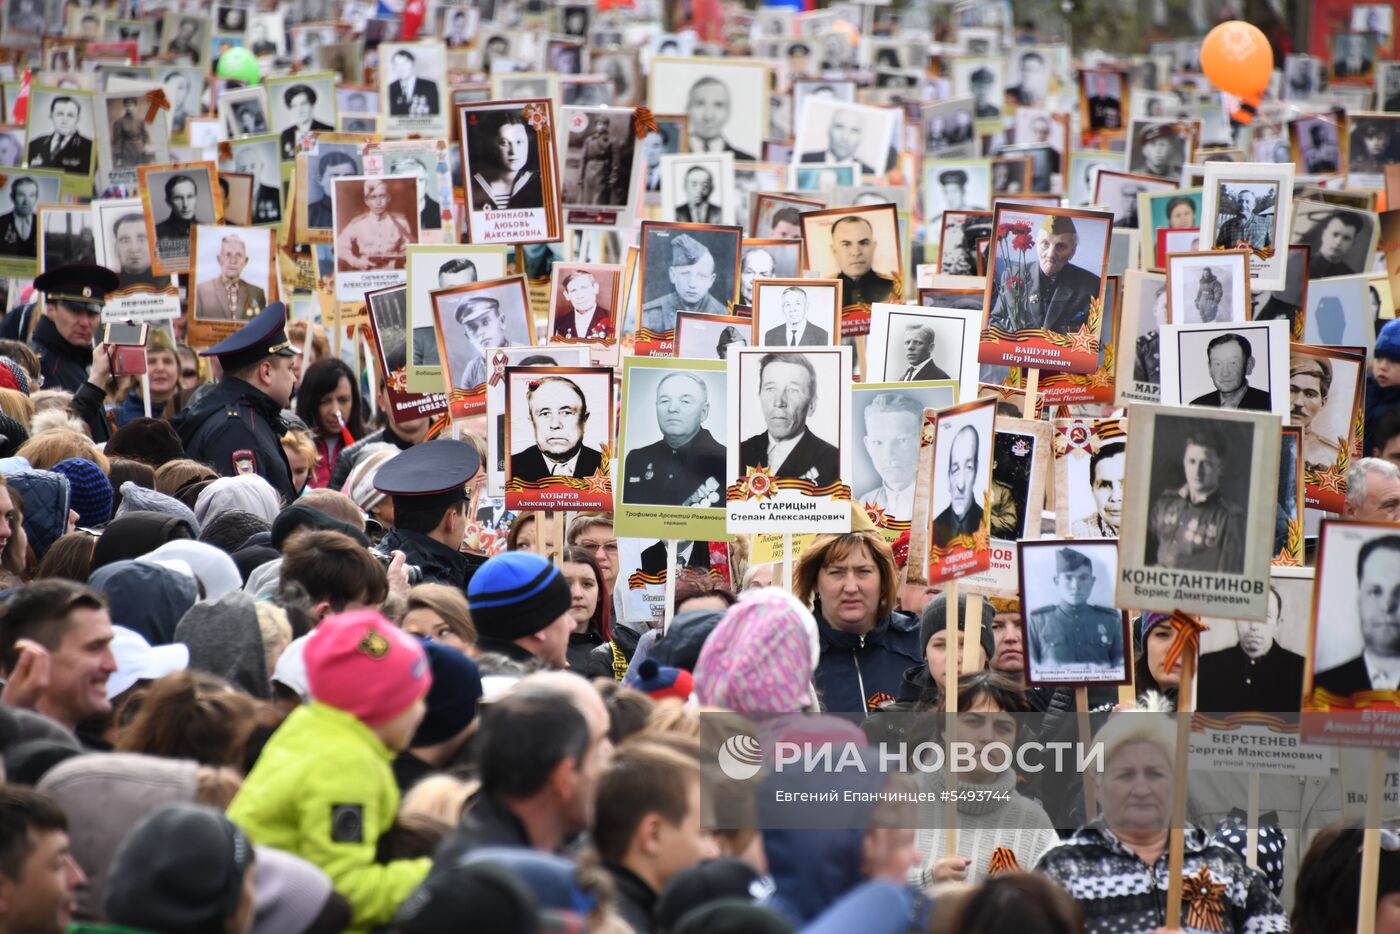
[492, 896]
[148, 440]
[935, 620]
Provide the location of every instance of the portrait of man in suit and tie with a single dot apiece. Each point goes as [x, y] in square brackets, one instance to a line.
[64, 147]
[787, 396]
[696, 206]
[579, 315]
[844, 135]
[795, 329]
[558, 413]
[229, 297]
[918, 341]
[1377, 611]
[410, 95]
[1230, 361]
[963, 515]
[708, 105]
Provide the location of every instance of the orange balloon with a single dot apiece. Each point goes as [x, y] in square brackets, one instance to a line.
[1238, 60]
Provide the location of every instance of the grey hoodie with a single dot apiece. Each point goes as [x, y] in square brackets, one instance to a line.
[225, 640]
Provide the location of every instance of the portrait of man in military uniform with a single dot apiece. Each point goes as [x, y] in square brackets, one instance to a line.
[861, 241]
[1194, 523]
[1057, 292]
[685, 467]
[681, 271]
[1309, 392]
[1068, 636]
[64, 146]
[19, 226]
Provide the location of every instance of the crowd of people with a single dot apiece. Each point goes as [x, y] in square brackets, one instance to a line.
[274, 661]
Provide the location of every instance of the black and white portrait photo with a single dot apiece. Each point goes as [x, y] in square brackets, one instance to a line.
[796, 312]
[1160, 147]
[962, 473]
[949, 129]
[600, 165]
[674, 443]
[475, 319]
[860, 246]
[301, 106]
[789, 435]
[511, 169]
[711, 337]
[67, 237]
[552, 428]
[1118, 191]
[686, 268]
[725, 101]
[1246, 216]
[442, 267]
[1030, 77]
[1316, 144]
[984, 79]
[959, 253]
[1208, 286]
[766, 259]
[125, 139]
[60, 130]
[258, 158]
[1388, 87]
[908, 344]
[176, 199]
[1342, 240]
[244, 112]
[777, 216]
[1353, 57]
[1236, 365]
[957, 185]
[186, 35]
[830, 132]
[1201, 495]
[1144, 313]
[1355, 630]
[1373, 142]
[412, 88]
[887, 426]
[698, 189]
[1257, 664]
[1072, 631]
[496, 401]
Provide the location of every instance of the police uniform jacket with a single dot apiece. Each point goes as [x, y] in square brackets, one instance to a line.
[1076, 635]
[63, 365]
[439, 564]
[1232, 681]
[1205, 536]
[237, 429]
[664, 476]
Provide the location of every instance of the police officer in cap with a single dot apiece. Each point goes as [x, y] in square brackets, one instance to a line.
[1074, 632]
[237, 427]
[428, 483]
[73, 299]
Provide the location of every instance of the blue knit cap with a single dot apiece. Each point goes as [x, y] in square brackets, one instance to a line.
[91, 495]
[1388, 341]
[516, 594]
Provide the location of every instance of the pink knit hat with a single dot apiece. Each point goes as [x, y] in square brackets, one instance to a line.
[361, 663]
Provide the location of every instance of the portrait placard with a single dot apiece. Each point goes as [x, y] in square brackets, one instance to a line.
[683, 267]
[1160, 147]
[388, 327]
[257, 156]
[243, 112]
[59, 135]
[956, 185]
[725, 99]
[1288, 524]
[1325, 386]
[412, 83]
[232, 278]
[765, 259]
[959, 246]
[124, 246]
[602, 171]
[1020, 464]
[789, 440]
[796, 312]
[1074, 634]
[376, 218]
[711, 337]
[949, 128]
[832, 132]
[582, 307]
[323, 159]
[912, 343]
[126, 138]
[429, 159]
[1227, 365]
[440, 266]
[673, 426]
[861, 247]
[1178, 209]
[1139, 373]
[1201, 494]
[511, 170]
[777, 216]
[1118, 192]
[1048, 312]
[1342, 239]
[698, 188]
[1249, 206]
[175, 197]
[496, 400]
[1063, 389]
[472, 321]
[300, 105]
[959, 536]
[559, 454]
[1090, 467]
[1256, 666]
[887, 420]
[1208, 286]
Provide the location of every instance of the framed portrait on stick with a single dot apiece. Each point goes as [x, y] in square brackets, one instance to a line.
[1201, 496]
[440, 266]
[472, 322]
[1044, 292]
[1073, 632]
[1090, 468]
[501, 358]
[123, 246]
[1288, 524]
[1226, 365]
[887, 419]
[683, 267]
[673, 426]
[1020, 465]
[908, 343]
[233, 275]
[388, 328]
[860, 246]
[789, 440]
[1250, 207]
[1325, 389]
[558, 453]
[1256, 666]
[511, 170]
[959, 536]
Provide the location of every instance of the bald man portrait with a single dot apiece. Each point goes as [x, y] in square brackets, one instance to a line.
[963, 516]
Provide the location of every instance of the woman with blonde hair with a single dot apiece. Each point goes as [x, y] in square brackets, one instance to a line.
[47, 448]
[440, 612]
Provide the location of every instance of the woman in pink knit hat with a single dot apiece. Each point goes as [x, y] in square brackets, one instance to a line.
[323, 788]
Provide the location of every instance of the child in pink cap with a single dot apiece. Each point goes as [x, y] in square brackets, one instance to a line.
[323, 788]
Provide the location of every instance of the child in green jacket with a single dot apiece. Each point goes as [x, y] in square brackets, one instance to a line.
[323, 788]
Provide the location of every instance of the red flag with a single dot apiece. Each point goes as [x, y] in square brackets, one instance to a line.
[22, 100]
[414, 11]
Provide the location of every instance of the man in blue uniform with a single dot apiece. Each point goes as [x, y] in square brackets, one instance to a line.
[237, 427]
[428, 483]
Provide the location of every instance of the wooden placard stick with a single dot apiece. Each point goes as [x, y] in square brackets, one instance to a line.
[1081, 706]
[1251, 837]
[972, 637]
[1177, 841]
[672, 582]
[1032, 382]
[558, 515]
[950, 706]
[1371, 843]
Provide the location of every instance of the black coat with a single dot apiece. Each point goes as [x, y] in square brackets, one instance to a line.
[237, 429]
[64, 365]
[487, 822]
[633, 899]
[439, 564]
[810, 453]
[529, 464]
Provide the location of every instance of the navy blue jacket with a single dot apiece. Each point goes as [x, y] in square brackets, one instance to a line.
[859, 673]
